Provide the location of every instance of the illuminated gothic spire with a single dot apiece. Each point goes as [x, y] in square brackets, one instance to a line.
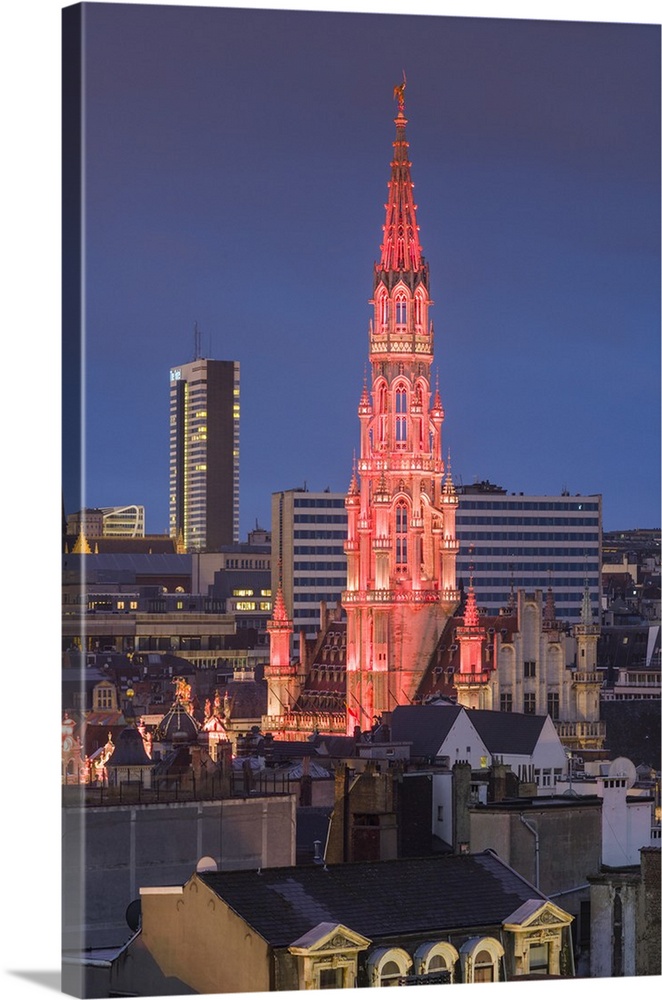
[471, 608]
[280, 611]
[401, 249]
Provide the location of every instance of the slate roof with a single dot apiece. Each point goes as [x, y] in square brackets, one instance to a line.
[432, 895]
[129, 751]
[507, 732]
[425, 726]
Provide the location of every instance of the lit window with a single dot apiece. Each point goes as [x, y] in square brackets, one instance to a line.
[246, 606]
[242, 593]
[400, 311]
[401, 537]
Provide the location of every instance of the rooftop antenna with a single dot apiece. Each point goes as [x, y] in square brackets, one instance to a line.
[197, 335]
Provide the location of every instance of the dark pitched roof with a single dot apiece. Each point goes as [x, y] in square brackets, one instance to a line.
[378, 898]
[129, 750]
[425, 726]
[507, 732]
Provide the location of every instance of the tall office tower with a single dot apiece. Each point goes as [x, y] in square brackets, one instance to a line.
[401, 545]
[204, 454]
[308, 531]
[510, 541]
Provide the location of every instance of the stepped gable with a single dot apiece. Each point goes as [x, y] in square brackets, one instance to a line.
[445, 661]
[325, 684]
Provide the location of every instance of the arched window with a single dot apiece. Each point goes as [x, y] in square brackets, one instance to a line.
[481, 958]
[401, 537]
[484, 968]
[383, 311]
[418, 310]
[400, 418]
[400, 311]
[401, 399]
[434, 957]
[386, 966]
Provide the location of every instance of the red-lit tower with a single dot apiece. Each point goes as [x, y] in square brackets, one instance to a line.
[401, 545]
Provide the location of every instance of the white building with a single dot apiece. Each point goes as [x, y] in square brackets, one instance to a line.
[628, 817]
[522, 541]
[308, 532]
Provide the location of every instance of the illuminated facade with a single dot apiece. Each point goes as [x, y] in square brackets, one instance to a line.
[204, 454]
[124, 522]
[401, 544]
[308, 532]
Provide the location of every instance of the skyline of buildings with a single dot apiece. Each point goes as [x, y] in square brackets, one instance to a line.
[408, 641]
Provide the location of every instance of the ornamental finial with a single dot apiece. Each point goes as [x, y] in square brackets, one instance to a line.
[399, 93]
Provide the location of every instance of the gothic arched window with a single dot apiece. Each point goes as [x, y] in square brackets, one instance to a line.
[401, 536]
[400, 418]
[400, 310]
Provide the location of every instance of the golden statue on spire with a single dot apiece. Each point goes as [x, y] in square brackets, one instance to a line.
[399, 92]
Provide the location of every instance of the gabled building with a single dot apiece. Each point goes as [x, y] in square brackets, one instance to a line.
[433, 920]
[529, 745]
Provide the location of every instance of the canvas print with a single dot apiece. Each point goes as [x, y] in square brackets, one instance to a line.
[360, 528]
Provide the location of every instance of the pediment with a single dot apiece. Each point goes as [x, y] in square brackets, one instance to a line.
[537, 913]
[328, 937]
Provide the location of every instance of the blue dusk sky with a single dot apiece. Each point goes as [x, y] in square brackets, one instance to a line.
[236, 163]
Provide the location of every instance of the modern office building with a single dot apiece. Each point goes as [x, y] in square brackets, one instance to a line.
[509, 541]
[108, 522]
[308, 533]
[124, 522]
[204, 454]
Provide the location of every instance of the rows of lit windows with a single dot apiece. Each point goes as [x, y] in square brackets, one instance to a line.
[324, 550]
[481, 581]
[315, 598]
[320, 534]
[340, 566]
[253, 605]
[250, 593]
[247, 563]
[554, 567]
[309, 502]
[526, 505]
[568, 603]
[532, 550]
[516, 519]
[529, 536]
[320, 519]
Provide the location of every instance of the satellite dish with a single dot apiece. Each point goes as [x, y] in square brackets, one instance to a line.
[206, 864]
[622, 767]
[133, 915]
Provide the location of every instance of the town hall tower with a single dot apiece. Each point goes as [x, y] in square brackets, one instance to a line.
[401, 545]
